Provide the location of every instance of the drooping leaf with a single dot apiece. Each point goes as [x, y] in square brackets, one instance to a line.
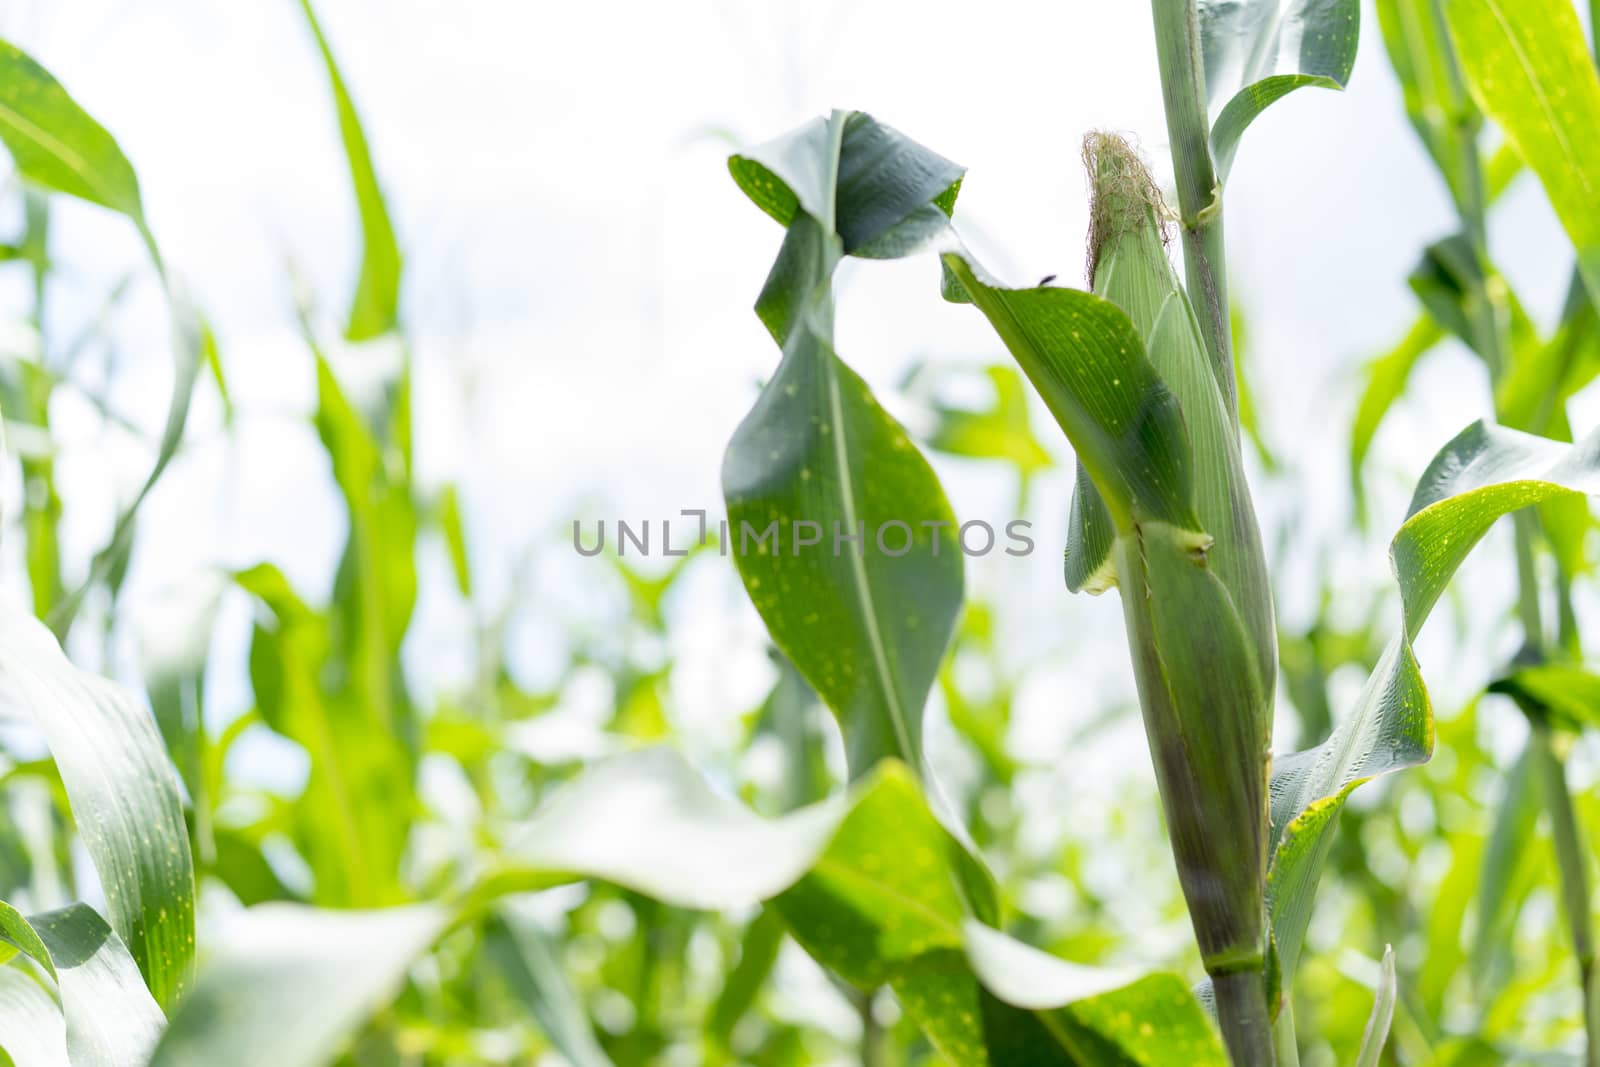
[1256, 51]
[1377, 1031]
[869, 884]
[56, 144]
[531, 970]
[840, 530]
[1528, 69]
[1086, 361]
[286, 986]
[123, 793]
[375, 309]
[110, 1017]
[32, 1032]
[1485, 472]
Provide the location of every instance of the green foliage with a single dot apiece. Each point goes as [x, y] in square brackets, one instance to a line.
[1258, 51]
[841, 532]
[445, 885]
[123, 794]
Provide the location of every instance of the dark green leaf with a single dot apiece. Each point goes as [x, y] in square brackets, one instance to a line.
[841, 532]
[1256, 51]
[1086, 360]
[1570, 693]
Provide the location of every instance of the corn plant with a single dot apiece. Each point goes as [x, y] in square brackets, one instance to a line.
[397, 937]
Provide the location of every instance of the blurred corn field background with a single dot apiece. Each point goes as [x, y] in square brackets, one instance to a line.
[331, 337]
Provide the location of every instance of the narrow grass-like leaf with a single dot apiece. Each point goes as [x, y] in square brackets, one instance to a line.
[375, 309]
[870, 883]
[123, 793]
[286, 986]
[346, 821]
[758, 954]
[1377, 1031]
[1436, 100]
[1529, 70]
[1486, 472]
[1257, 51]
[57, 145]
[111, 1020]
[1506, 861]
[32, 1031]
[531, 968]
[1386, 378]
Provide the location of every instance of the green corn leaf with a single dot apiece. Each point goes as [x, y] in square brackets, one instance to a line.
[531, 968]
[1257, 51]
[1436, 101]
[286, 986]
[856, 176]
[1504, 878]
[1130, 268]
[1377, 1031]
[375, 309]
[1202, 688]
[32, 1032]
[123, 793]
[1528, 69]
[58, 146]
[998, 431]
[1533, 395]
[840, 530]
[1486, 472]
[869, 883]
[1086, 360]
[376, 587]
[447, 511]
[110, 1018]
[1569, 693]
[758, 955]
[1386, 378]
[360, 779]
[1091, 539]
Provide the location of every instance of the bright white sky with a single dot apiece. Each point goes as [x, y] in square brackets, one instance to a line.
[580, 271]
